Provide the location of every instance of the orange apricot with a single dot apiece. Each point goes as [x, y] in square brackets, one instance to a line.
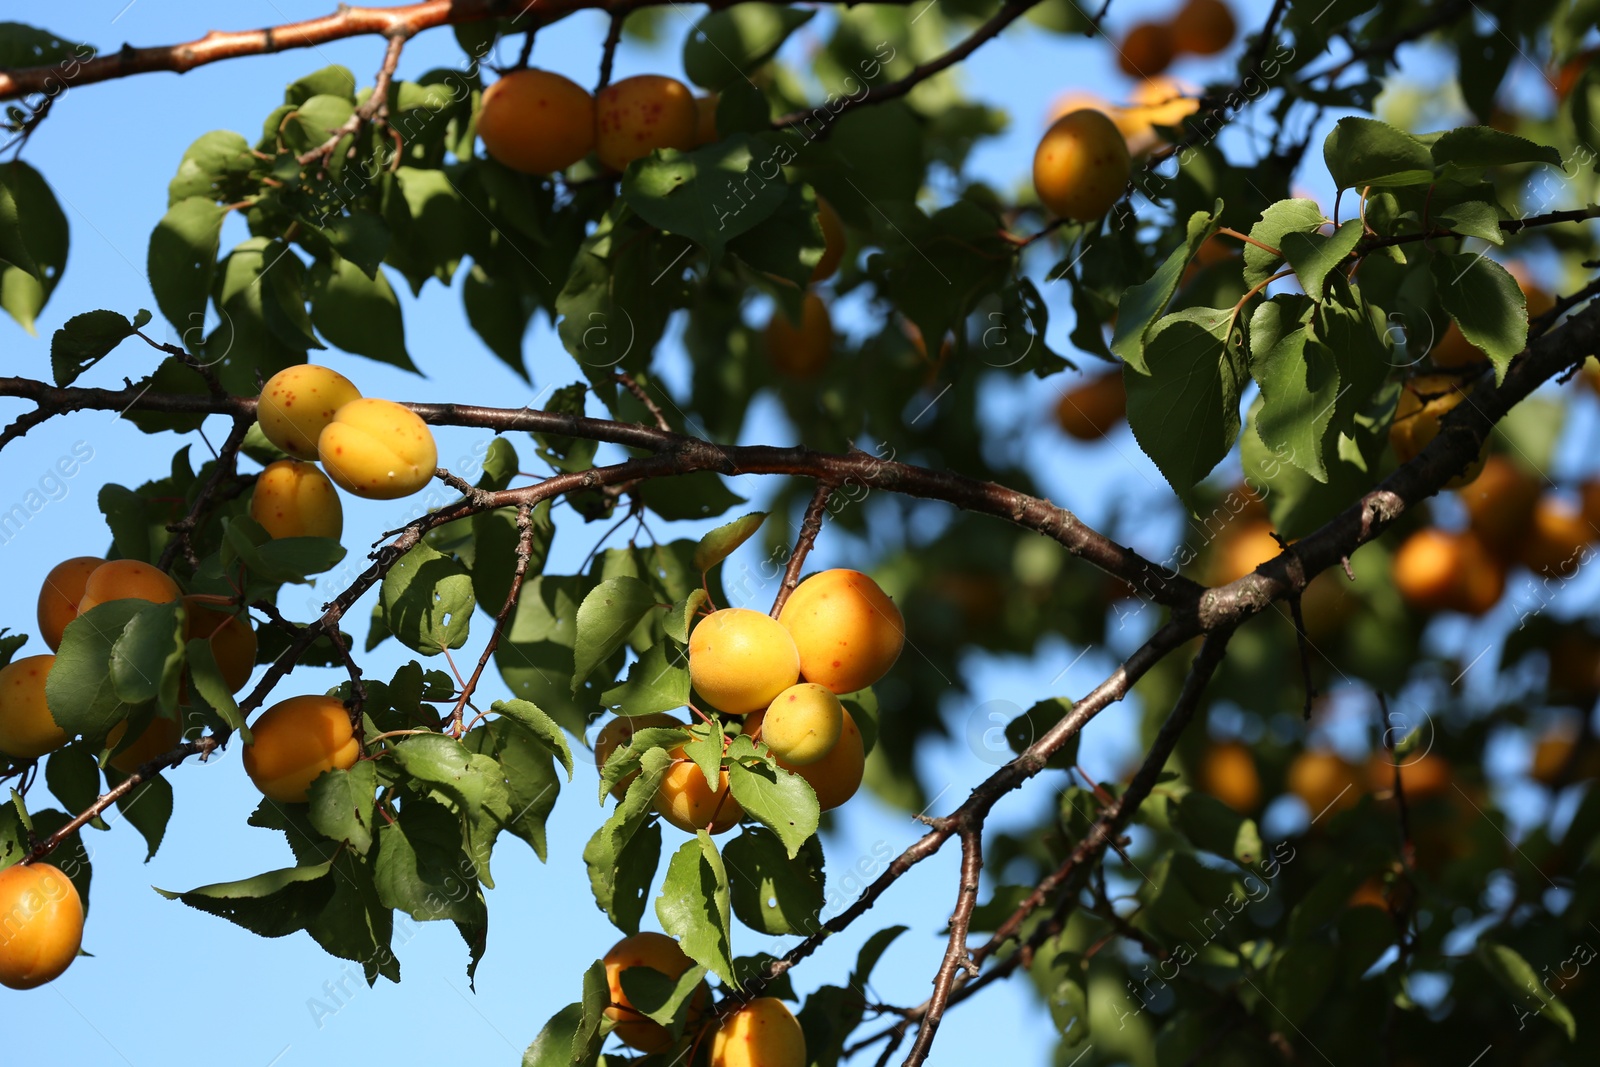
[1437, 570]
[618, 733]
[1146, 51]
[740, 660]
[1557, 541]
[835, 777]
[847, 630]
[27, 729]
[762, 1033]
[232, 638]
[833, 241]
[1423, 402]
[1500, 504]
[1228, 772]
[661, 954]
[1203, 27]
[297, 402]
[126, 579]
[1323, 781]
[686, 800]
[293, 498]
[1421, 775]
[802, 351]
[705, 109]
[635, 116]
[1081, 166]
[296, 741]
[43, 924]
[378, 449]
[1089, 410]
[1242, 548]
[1163, 102]
[159, 737]
[537, 122]
[59, 596]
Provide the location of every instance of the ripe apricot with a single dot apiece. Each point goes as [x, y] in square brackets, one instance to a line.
[232, 638]
[1500, 504]
[1081, 166]
[1323, 781]
[836, 777]
[1163, 102]
[1557, 540]
[661, 954]
[739, 660]
[705, 109]
[159, 737]
[537, 122]
[848, 631]
[1423, 402]
[1090, 409]
[378, 449]
[686, 800]
[618, 733]
[637, 115]
[833, 241]
[42, 927]
[1146, 51]
[1436, 570]
[297, 402]
[1203, 27]
[1551, 754]
[1228, 772]
[126, 579]
[802, 351]
[803, 724]
[27, 730]
[294, 742]
[1453, 350]
[1369, 894]
[293, 498]
[1241, 548]
[1421, 775]
[763, 1033]
[59, 596]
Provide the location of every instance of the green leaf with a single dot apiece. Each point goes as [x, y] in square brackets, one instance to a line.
[427, 601]
[333, 80]
[680, 618]
[73, 775]
[662, 999]
[1486, 303]
[726, 45]
[773, 891]
[212, 688]
[628, 758]
[1300, 976]
[780, 800]
[613, 876]
[605, 619]
[216, 167]
[147, 657]
[182, 261]
[1143, 304]
[342, 803]
[1360, 152]
[358, 313]
[589, 1035]
[1312, 255]
[532, 785]
[422, 870]
[1185, 412]
[499, 311]
[79, 690]
[1299, 383]
[355, 925]
[539, 725]
[693, 905]
[147, 807]
[709, 195]
[1022, 731]
[701, 495]
[1277, 222]
[13, 251]
[1517, 977]
[269, 905]
[657, 681]
[85, 340]
[1474, 218]
[871, 952]
[1476, 148]
[1215, 827]
[42, 228]
[468, 778]
[553, 1046]
[720, 543]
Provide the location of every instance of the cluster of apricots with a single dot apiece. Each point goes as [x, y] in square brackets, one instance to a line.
[373, 448]
[538, 122]
[1161, 101]
[804, 349]
[761, 1032]
[1510, 521]
[1200, 27]
[1324, 781]
[838, 633]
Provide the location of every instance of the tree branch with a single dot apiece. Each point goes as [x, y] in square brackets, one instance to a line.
[524, 554]
[225, 467]
[810, 527]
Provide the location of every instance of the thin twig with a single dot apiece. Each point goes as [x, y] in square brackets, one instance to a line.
[629, 383]
[608, 53]
[223, 469]
[524, 554]
[810, 527]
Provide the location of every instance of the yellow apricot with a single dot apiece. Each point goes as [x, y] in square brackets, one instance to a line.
[378, 449]
[293, 498]
[848, 631]
[297, 402]
[802, 351]
[1203, 27]
[618, 733]
[833, 241]
[803, 724]
[232, 638]
[1228, 772]
[687, 801]
[739, 660]
[835, 777]
[705, 109]
[41, 924]
[27, 730]
[159, 737]
[126, 579]
[59, 596]
[1437, 570]
[661, 954]
[1081, 166]
[1556, 542]
[537, 122]
[763, 1033]
[1163, 102]
[637, 115]
[294, 742]
[1323, 780]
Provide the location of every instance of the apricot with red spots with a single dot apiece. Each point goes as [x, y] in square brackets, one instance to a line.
[293, 498]
[847, 630]
[636, 116]
[1081, 166]
[378, 449]
[537, 122]
[763, 1033]
[658, 953]
[27, 730]
[60, 594]
[297, 402]
[126, 579]
[740, 660]
[295, 742]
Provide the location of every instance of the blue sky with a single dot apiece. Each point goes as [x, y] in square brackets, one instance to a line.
[109, 151]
